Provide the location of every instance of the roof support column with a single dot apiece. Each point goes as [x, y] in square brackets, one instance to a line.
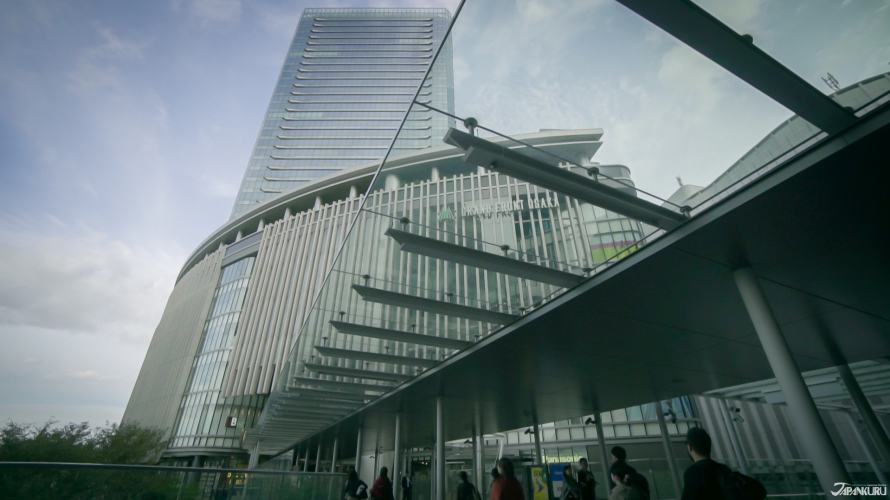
[734, 439]
[604, 453]
[668, 450]
[866, 412]
[306, 459]
[479, 448]
[318, 458]
[813, 434]
[358, 452]
[440, 447]
[868, 454]
[397, 458]
[334, 454]
[254, 459]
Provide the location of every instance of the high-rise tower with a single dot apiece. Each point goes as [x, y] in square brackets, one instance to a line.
[346, 83]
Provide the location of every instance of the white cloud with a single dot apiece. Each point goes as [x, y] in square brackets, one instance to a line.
[32, 361]
[82, 283]
[216, 10]
[81, 375]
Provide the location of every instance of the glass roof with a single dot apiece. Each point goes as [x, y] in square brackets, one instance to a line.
[578, 102]
[831, 44]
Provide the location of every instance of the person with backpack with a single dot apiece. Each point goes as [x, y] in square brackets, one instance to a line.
[466, 490]
[619, 456]
[626, 488]
[382, 489]
[586, 481]
[706, 479]
[355, 488]
[570, 488]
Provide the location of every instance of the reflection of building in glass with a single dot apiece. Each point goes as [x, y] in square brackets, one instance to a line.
[345, 85]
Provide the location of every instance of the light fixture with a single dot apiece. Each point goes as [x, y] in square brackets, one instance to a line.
[589, 421]
[736, 414]
[529, 431]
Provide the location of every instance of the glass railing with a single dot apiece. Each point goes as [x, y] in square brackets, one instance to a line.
[70, 481]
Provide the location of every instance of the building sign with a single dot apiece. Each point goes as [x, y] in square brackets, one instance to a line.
[231, 422]
[506, 208]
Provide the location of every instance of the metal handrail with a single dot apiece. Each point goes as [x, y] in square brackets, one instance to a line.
[156, 468]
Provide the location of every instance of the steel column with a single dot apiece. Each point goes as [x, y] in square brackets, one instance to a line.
[318, 458]
[604, 453]
[440, 447]
[397, 458]
[866, 412]
[668, 450]
[358, 452]
[734, 438]
[539, 458]
[306, 460]
[868, 454]
[334, 454]
[479, 448]
[813, 434]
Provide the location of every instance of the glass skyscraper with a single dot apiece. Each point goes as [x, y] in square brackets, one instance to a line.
[346, 83]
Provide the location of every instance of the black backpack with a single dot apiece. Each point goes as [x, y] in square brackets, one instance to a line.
[737, 486]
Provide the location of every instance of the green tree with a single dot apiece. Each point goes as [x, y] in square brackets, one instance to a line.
[78, 443]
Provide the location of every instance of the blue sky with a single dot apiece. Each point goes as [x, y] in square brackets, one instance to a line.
[125, 128]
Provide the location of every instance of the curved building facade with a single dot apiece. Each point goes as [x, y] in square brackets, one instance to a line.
[254, 327]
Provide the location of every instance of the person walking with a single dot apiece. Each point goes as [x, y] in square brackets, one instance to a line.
[570, 488]
[355, 488]
[466, 490]
[495, 475]
[407, 484]
[619, 456]
[382, 489]
[506, 487]
[706, 479]
[622, 475]
[586, 481]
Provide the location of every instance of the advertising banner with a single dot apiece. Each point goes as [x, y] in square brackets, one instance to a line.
[539, 484]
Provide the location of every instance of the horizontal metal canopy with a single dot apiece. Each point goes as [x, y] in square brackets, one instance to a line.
[373, 356]
[356, 373]
[434, 306]
[339, 384]
[690, 24]
[399, 336]
[486, 154]
[430, 247]
[349, 396]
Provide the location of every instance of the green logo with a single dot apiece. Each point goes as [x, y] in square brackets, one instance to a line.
[446, 215]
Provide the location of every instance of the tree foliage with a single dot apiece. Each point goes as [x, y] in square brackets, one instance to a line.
[78, 443]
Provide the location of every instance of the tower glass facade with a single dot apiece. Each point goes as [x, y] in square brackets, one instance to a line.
[347, 81]
[207, 420]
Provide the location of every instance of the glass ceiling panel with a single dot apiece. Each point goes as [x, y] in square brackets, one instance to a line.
[832, 44]
[667, 113]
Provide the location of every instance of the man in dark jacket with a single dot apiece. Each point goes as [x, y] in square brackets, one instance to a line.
[702, 478]
[586, 481]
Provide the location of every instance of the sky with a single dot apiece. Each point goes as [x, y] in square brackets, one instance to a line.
[125, 129]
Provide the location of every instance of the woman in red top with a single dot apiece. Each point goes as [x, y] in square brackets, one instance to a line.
[382, 489]
[506, 487]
